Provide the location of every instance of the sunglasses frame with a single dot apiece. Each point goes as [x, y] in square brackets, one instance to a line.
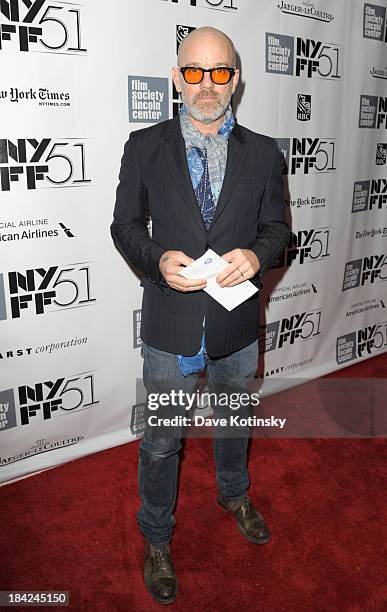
[183, 69]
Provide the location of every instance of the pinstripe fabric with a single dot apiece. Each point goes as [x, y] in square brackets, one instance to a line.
[250, 213]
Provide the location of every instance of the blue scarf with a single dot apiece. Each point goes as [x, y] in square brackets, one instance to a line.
[207, 158]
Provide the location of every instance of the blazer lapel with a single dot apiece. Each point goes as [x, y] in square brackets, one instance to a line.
[177, 161]
[236, 158]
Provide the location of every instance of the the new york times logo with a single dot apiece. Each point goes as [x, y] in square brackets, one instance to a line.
[308, 155]
[302, 57]
[46, 162]
[368, 270]
[58, 397]
[373, 112]
[304, 107]
[305, 246]
[220, 5]
[41, 290]
[374, 22]
[305, 9]
[369, 195]
[38, 25]
[296, 328]
[361, 343]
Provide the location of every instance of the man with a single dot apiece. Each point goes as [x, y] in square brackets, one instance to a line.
[206, 183]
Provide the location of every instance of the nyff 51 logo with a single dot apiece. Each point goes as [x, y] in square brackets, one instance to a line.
[41, 290]
[368, 270]
[308, 155]
[287, 55]
[369, 195]
[220, 5]
[46, 399]
[361, 343]
[38, 25]
[289, 330]
[305, 246]
[48, 162]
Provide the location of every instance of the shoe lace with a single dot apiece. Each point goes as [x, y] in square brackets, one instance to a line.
[161, 553]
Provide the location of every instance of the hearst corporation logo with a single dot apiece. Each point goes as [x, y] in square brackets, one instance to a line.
[305, 8]
[43, 445]
[49, 347]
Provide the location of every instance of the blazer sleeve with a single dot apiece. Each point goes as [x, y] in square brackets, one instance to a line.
[129, 228]
[273, 230]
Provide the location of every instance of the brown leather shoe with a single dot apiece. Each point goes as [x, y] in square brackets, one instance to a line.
[251, 524]
[159, 574]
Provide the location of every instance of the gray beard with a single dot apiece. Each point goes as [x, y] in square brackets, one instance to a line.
[203, 116]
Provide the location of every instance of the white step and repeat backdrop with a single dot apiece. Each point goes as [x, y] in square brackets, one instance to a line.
[75, 79]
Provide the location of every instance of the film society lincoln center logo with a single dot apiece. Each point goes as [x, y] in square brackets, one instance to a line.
[373, 112]
[369, 195]
[374, 22]
[148, 99]
[295, 56]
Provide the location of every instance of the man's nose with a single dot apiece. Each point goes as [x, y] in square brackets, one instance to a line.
[207, 81]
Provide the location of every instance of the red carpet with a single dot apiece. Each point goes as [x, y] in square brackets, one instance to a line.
[73, 528]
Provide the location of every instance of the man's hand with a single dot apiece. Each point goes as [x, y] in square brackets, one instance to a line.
[244, 264]
[171, 263]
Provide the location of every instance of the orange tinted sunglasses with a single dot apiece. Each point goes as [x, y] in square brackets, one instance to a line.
[221, 75]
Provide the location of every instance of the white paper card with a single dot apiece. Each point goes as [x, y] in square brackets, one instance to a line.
[208, 266]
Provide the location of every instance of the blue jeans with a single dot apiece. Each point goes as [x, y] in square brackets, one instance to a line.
[159, 455]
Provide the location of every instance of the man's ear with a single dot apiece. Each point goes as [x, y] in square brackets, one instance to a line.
[235, 80]
[176, 78]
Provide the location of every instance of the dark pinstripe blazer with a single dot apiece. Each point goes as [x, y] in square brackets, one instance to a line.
[250, 213]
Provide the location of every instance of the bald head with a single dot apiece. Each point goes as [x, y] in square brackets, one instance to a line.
[206, 42]
[206, 101]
